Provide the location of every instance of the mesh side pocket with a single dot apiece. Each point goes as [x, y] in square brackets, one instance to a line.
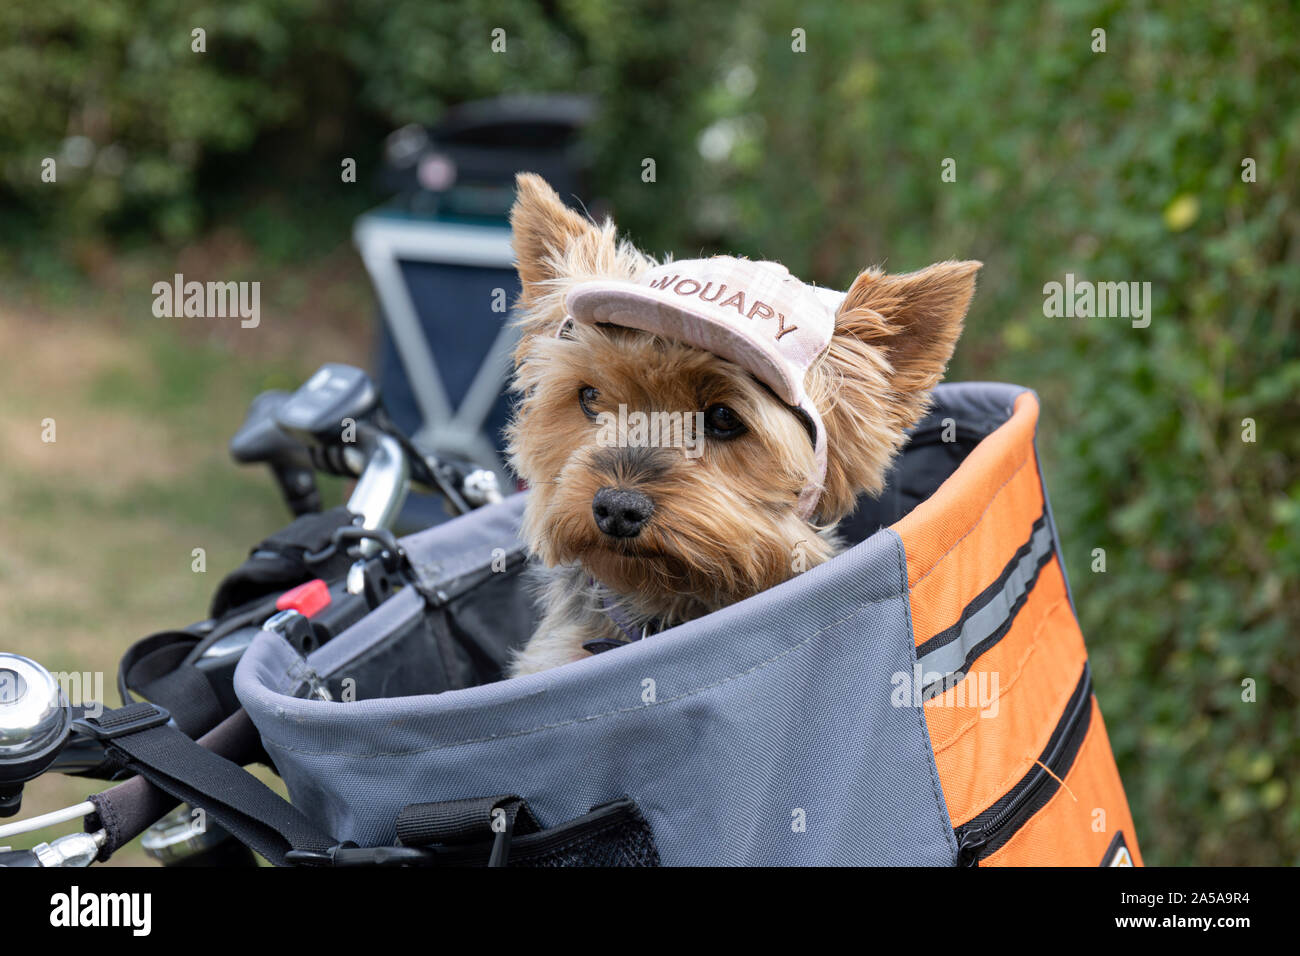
[461, 833]
[619, 836]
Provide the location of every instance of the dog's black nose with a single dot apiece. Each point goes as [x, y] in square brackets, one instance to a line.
[621, 513]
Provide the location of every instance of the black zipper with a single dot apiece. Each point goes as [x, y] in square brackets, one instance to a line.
[985, 833]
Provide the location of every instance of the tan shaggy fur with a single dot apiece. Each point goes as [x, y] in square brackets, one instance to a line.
[724, 525]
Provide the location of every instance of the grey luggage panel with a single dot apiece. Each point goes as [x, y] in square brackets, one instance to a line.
[762, 734]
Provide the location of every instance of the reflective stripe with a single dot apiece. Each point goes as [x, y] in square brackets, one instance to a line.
[988, 617]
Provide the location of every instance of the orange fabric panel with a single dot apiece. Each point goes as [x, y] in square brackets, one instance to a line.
[958, 542]
[1064, 832]
[1036, 666]
[960, 538]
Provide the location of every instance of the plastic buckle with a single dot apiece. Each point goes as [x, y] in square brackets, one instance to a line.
[388, 856]
[146, 717]
[318, 857]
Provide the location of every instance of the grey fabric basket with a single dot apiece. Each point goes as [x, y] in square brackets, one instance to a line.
[761, 734]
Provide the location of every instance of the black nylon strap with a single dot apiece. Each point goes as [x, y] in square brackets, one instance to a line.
[151, 657]
[241, 803]
[462, 821]
[154, 668]
[189, 695]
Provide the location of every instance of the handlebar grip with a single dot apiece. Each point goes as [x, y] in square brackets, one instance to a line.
[332, 460]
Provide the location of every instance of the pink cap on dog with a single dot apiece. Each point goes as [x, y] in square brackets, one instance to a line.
[754, 314]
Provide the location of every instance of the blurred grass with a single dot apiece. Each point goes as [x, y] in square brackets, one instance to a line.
[96, 548]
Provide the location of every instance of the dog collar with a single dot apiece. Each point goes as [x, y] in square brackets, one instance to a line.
[626, 626]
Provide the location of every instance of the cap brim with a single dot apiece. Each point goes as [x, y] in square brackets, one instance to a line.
[662, 313]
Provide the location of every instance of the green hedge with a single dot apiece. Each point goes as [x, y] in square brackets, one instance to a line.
[1123, 165]
[1116, 166]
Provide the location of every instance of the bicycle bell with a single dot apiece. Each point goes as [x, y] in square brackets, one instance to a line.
[34, 724]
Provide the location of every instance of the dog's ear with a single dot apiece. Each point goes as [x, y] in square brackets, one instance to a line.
[915, 318]
[894, 335]
[544, 230]
[554, 247]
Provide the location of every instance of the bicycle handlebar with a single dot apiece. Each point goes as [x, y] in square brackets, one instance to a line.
[383, 461]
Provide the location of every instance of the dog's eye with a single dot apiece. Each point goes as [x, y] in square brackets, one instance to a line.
[587, 397]
[721, 422]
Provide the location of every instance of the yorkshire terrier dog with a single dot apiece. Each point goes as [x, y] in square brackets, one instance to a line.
[692, 432]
